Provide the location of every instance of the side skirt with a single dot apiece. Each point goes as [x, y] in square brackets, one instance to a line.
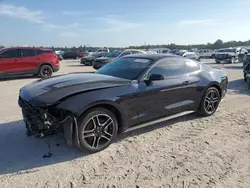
[159, 120]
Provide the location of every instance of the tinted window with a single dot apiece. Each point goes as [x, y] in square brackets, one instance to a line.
[11, 53]
[39, 52]
[28, 52]
[70, 54]
[169, 67]
[128, 68]
[192, 66]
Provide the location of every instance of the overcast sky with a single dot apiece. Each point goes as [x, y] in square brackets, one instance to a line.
[122, 22]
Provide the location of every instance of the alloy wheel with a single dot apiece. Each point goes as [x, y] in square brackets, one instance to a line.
[98, 131]
[211, 101]
[46, 72]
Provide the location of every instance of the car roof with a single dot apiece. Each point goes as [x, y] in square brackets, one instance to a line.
[153, 57]
[25, 47]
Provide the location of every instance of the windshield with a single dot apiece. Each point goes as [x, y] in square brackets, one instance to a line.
[127, 68]
[114, 54]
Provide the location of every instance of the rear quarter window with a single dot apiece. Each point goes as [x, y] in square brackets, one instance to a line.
[192, 66]
[39, 52]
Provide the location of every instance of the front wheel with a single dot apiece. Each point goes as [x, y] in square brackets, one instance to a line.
[45, 71]
[209, 102]
[97, 129]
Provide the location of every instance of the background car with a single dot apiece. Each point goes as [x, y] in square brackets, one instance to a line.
[225, 55]
[88, 60]
[71, 55]
[99, 50]
[205, 53]
[151, 52]
[28, 60]
[160, 50]
[191, 55]
[175, 51]
[99, 62]
[131, 92]
[241, 52]
[181, 52]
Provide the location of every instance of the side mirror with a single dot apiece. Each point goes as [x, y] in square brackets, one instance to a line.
[155, 77]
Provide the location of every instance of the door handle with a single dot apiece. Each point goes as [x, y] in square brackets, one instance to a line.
[15, 60]
[186, 82]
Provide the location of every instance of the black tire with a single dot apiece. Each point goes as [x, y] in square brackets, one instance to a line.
[208, 106]
[99, 131]
[45, 71]
[217, 62]
[245, 77]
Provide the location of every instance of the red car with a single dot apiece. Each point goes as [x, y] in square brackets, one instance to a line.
[40, 62]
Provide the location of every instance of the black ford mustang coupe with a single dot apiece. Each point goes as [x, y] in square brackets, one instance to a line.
[89, 109]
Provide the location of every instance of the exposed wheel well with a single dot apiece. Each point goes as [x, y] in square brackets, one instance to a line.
[114, 110]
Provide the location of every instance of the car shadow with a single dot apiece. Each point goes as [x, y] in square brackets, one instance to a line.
[8, 78]
[21, 154]
[238, 86]
[239, 67]
[78, 65]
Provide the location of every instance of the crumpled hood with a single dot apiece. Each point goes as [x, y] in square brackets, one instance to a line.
[49, 91]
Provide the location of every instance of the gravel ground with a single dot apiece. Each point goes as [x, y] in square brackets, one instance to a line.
[186, 152]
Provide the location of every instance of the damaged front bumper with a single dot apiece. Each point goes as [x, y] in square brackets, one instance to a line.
[41, 122]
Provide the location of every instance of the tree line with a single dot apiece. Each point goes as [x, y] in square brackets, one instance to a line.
[216, 45]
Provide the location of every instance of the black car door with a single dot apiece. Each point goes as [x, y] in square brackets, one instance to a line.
[164, 97]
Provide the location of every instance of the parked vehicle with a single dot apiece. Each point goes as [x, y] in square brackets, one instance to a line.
[88, 60]
[99, 50]
[225, 55]
[99, 62]
[175, 51]
[71, 55]
[28, 60]
[181, 52]
[59, 52]
[246, 73]
[131, 92]
[191, 55]
[151, 52]
[205, 53]
[241, 52]
[246, 59]
[160, 50]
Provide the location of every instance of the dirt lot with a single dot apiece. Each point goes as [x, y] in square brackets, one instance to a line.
[185, 152]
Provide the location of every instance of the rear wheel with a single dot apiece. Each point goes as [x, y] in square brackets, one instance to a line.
[210, 102]
[45, 71]
[97, 129]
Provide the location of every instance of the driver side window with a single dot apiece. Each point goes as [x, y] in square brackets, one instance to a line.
[169, 67]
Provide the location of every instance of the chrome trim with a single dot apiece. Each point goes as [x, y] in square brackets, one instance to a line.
[159, 120]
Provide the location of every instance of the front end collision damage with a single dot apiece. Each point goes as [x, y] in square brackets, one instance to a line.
[45, 121]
